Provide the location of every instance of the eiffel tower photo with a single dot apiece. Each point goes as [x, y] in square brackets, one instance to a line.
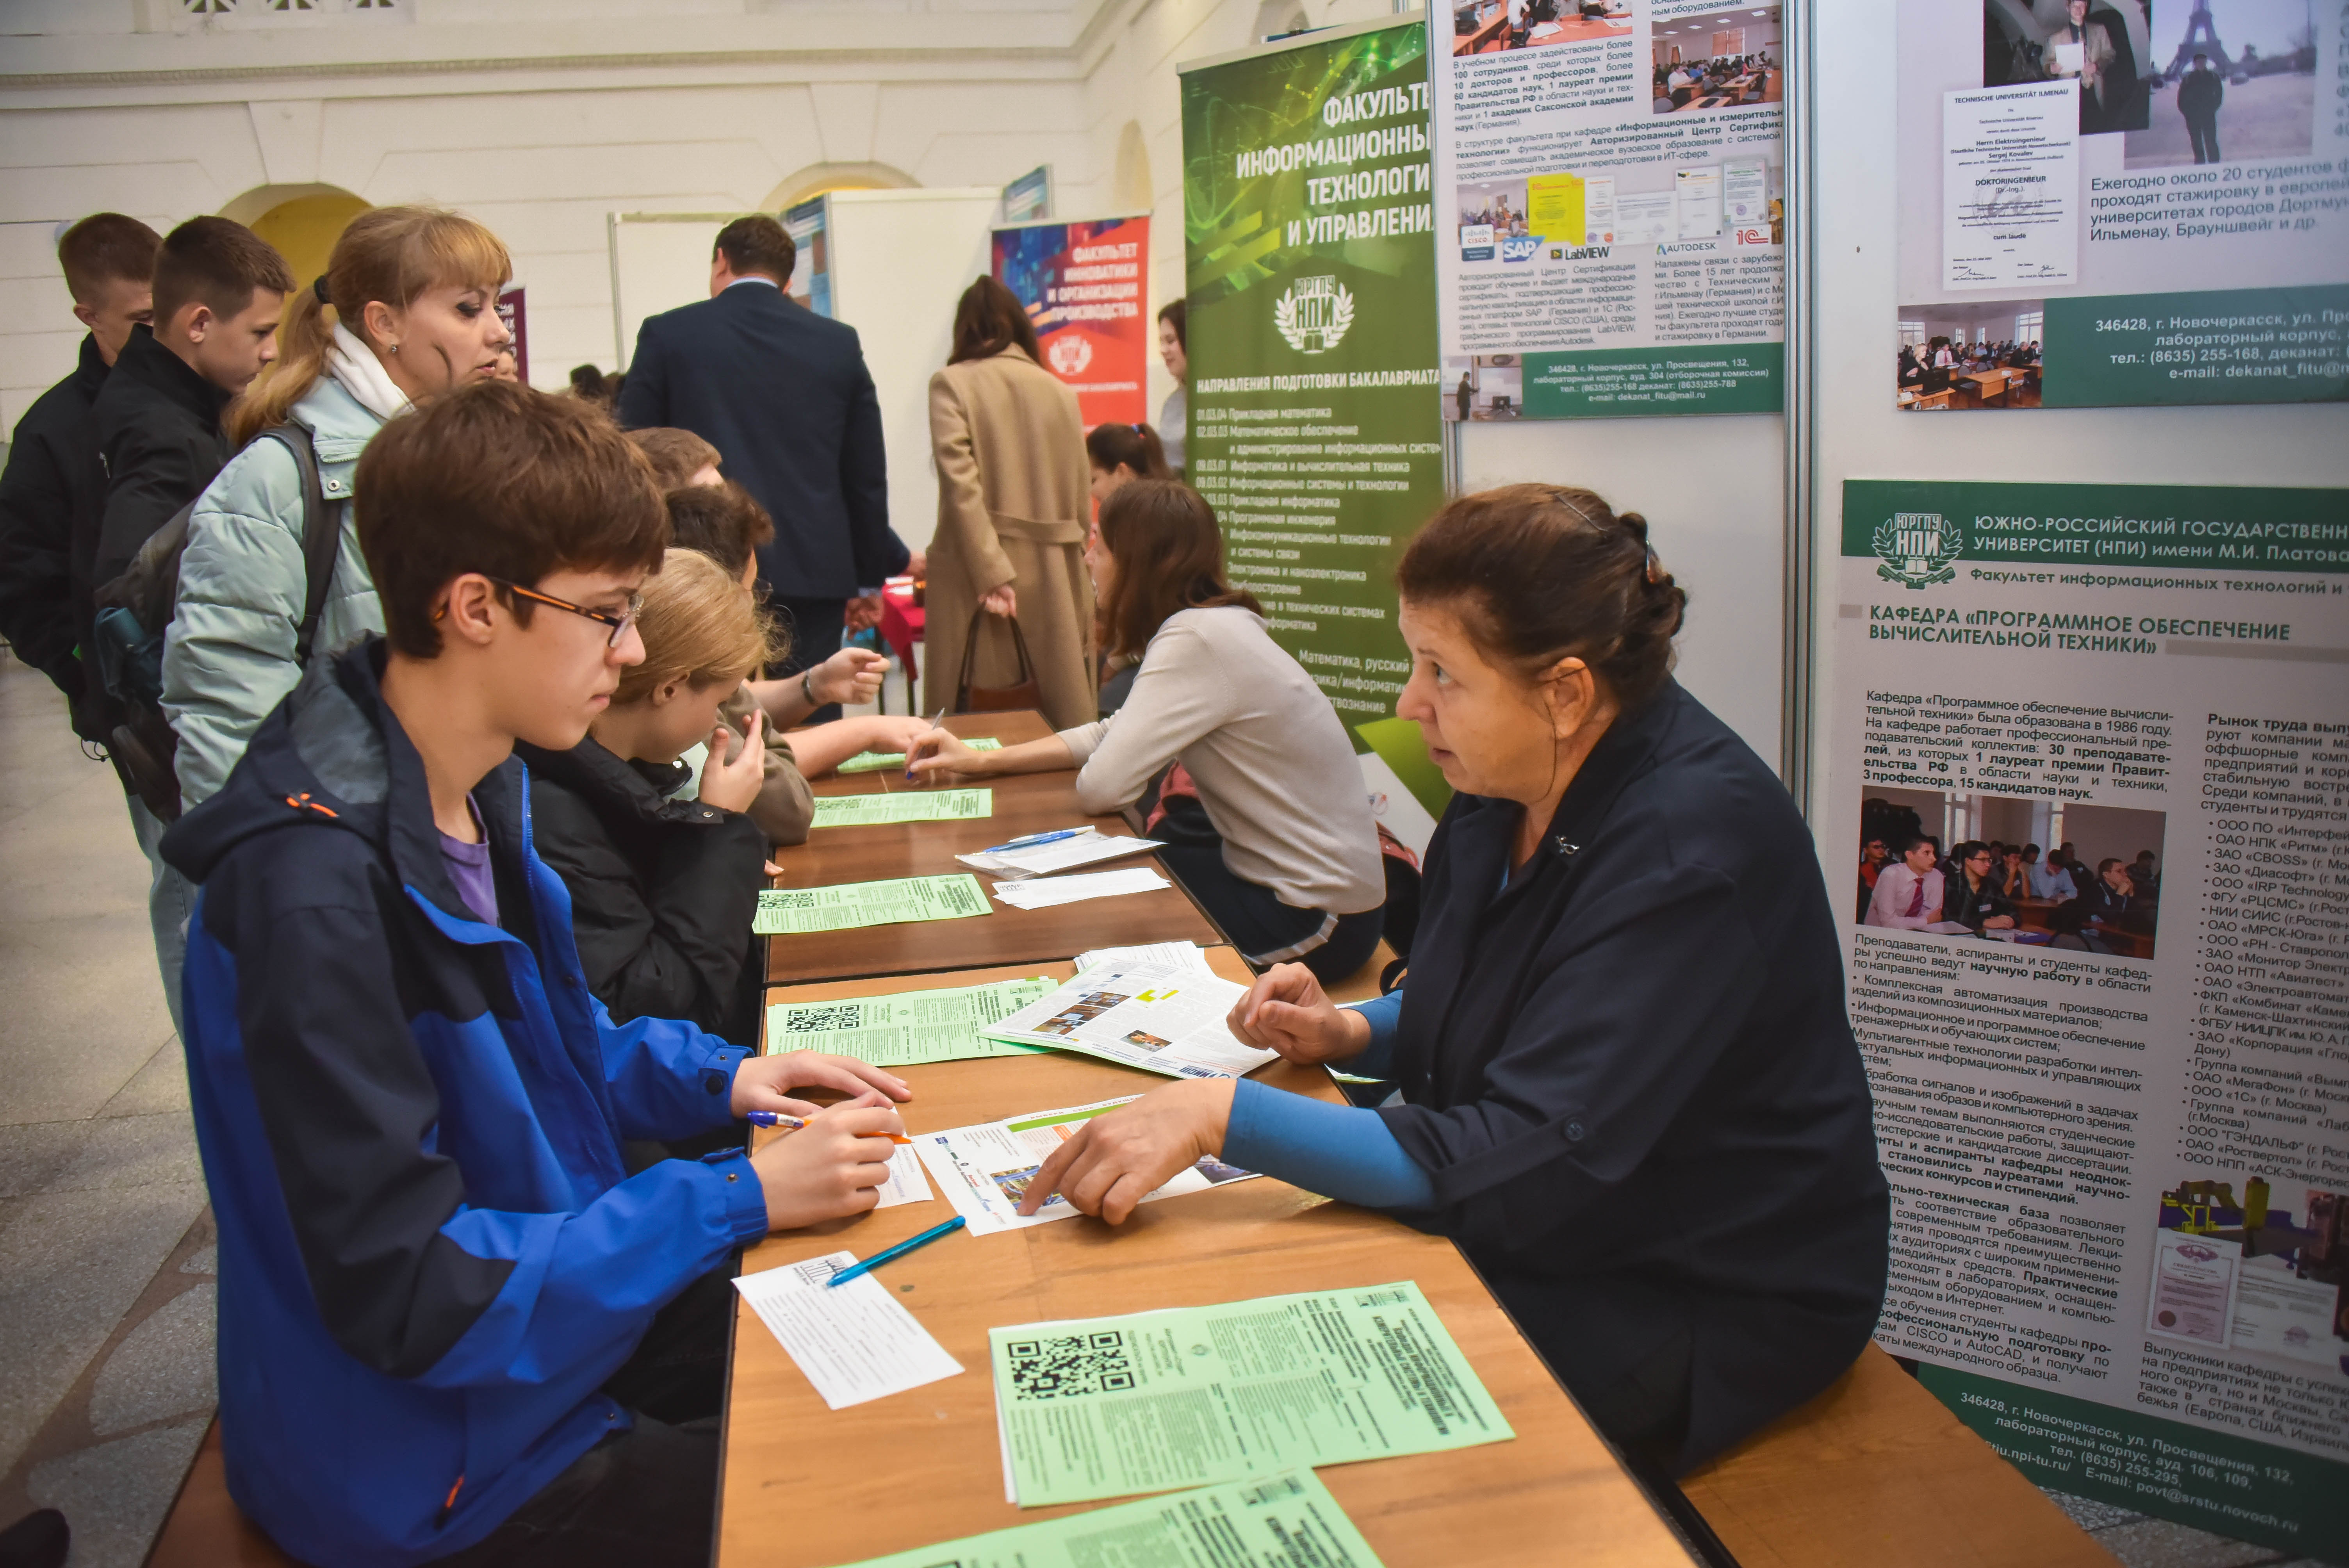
[2202, 37]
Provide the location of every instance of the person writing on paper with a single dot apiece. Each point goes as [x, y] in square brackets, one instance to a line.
[1626, 1083]
[1013, 502]
[1293, 869]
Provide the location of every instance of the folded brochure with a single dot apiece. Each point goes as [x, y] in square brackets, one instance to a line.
[985, 1170]
[1189, 1395]
[1080, 849]
[1285, 1520]
[904, 806]
[1161, 1018]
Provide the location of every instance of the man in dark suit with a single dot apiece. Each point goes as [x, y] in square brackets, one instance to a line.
[783, 393]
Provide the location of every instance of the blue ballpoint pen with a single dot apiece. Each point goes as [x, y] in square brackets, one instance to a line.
[900, 1251]
[1030, 841]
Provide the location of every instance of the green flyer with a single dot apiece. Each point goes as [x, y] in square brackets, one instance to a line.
[1188, 1396]
[793, 911]
[874, 761]
[1285, 1520]
[926, 805]
[909, 1028]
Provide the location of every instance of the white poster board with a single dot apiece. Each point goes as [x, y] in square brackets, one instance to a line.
[659, 261]
[900, 260]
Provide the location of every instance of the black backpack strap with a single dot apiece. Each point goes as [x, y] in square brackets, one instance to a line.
[322, 534]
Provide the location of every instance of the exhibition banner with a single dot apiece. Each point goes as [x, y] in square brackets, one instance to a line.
[1610, 186]
[2146, 206]
[810, 280]
[514, 310]
[2112, 1099]
[1084, 285]
[1312, 338]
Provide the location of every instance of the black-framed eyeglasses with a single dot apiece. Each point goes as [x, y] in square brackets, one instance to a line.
[619, 623]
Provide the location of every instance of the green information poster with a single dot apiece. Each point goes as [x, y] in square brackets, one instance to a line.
[1314, 430]
[2112, 1093]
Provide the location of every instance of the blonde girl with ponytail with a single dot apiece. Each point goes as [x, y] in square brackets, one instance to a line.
[406, 310]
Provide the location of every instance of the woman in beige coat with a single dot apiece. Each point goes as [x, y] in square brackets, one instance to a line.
[1014, 504]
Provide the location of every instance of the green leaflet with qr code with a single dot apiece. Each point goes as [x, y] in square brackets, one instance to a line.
[786, 911]
[909, 1028]
[1103, 1406]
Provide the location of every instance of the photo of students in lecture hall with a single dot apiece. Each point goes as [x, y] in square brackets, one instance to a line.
[2041, 874]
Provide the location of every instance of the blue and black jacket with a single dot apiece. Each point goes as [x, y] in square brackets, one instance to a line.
[431, 1257]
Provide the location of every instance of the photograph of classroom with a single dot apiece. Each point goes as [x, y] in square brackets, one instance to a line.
[2105, 45]
[2228, 79]
[1729, 59]
[1488, 214]
[1971, 355]
[2006, 868]
[1494, 26]
[1483, 387]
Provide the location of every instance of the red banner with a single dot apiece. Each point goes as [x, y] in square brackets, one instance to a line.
[1086, 287]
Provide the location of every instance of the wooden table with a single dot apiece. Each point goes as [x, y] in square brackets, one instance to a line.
[802, 1486]
[1027, 803]
[1987, 384]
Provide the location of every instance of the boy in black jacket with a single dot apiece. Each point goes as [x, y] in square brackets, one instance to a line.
[109, 260]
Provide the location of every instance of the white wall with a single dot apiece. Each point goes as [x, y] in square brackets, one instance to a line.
[541, 117]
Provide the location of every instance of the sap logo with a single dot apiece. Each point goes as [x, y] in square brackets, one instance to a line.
[1753, 236]
[1522, 248]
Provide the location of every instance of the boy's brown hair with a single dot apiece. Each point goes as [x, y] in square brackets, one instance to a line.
[498, 478]
[677, 455]
[217, 263]
[722, 522]
[105, 248]
[699, 626]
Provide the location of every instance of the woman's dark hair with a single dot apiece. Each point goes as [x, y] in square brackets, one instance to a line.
[1170, 557]
[1135, 447]
[720, 521]
[590, 384]
[1538, 573]
[1177, 312]
[988, 319]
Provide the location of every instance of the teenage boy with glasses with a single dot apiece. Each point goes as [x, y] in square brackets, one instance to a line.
[452, 1326]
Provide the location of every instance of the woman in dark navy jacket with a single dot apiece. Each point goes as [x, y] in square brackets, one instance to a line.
[1626, 1083]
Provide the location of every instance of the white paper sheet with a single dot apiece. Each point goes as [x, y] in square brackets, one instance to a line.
[1087, 848]
[1049, 892]
[2193, 1287]
[2011, 187]
[854, 1344]
[1184, 956]
[984, 1170]
[907, 1184]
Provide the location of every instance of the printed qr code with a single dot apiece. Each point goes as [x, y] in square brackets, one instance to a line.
[776, 897]
[1070, 1365]
[823, 1020]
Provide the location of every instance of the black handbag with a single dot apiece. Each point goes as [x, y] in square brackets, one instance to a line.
[1026, 693]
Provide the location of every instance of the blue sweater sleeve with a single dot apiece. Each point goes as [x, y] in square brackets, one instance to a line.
[1333, 1149]
[1378, 1060]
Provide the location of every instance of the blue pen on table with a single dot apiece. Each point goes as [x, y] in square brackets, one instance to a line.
[793, 1123]
[933, 724]
[900, 1251]
[1030, 841]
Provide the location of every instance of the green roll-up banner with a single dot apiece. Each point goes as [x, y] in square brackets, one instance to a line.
[1308, 239]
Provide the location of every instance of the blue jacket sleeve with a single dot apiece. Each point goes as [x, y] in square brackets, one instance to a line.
[874, 549]
[644, 396]
[669, 1080]
[1333, 1149]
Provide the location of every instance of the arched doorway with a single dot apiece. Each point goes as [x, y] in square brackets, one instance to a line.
[302, 220]
[819, 179]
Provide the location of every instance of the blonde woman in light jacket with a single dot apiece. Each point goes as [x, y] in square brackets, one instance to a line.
[1014, 504]
[407, 308]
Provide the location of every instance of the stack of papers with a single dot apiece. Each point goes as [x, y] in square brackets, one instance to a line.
[906, 1029]
[1188, 957]
[1288, 1518]
[1155, 1017]
[856, 1343]
[984, 1170]
[1080, 849]
[907, 806]
[873, 761]
[1049, 892]
[1190, 1395]
[783, 911]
